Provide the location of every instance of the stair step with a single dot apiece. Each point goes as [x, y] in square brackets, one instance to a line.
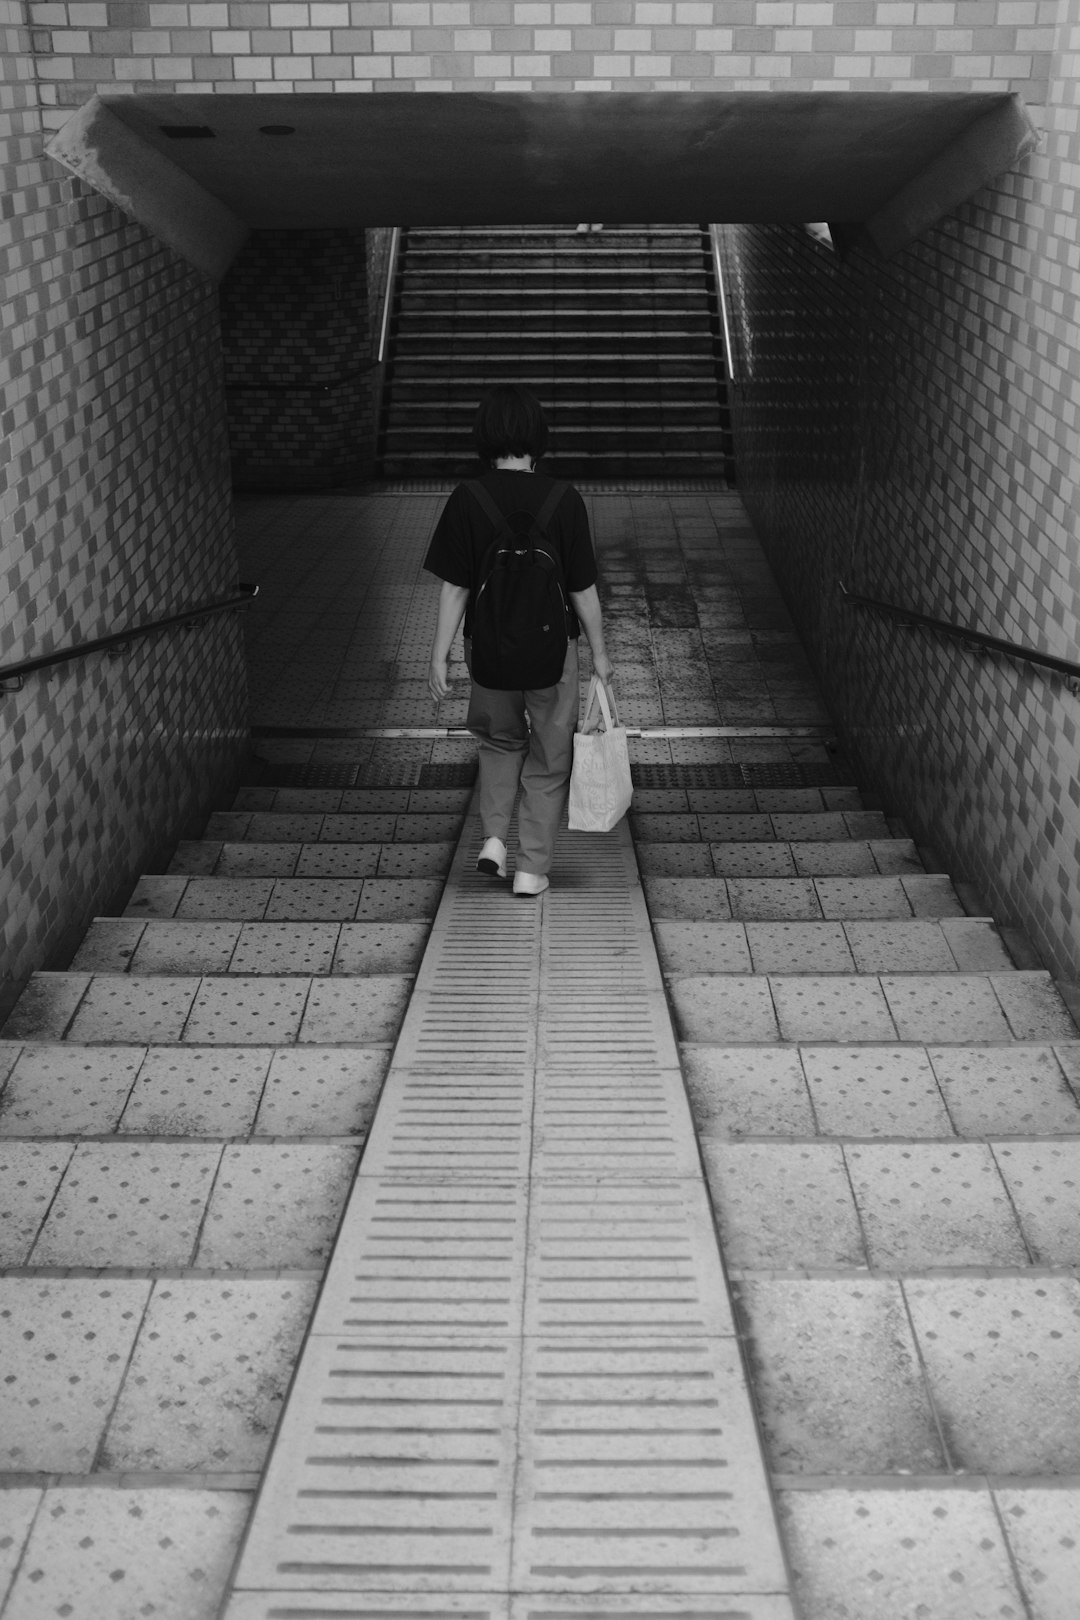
[764, 899]
[950, 945]
[258, 899]
[219, 858]
[283, 949]
[891, 857]
[760, 827]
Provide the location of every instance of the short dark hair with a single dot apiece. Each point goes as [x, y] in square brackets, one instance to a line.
[510, 422]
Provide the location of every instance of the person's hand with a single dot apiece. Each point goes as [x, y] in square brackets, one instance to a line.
[603, 668]
[438, 679]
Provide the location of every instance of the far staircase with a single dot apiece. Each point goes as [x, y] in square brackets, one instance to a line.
[616, 331]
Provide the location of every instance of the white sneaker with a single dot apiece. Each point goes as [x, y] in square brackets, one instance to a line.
[492, 858]
[529, 883]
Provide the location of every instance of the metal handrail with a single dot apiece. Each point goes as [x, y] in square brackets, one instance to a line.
[959, 632]
[721, 299]
[244, 597]
[388, 293]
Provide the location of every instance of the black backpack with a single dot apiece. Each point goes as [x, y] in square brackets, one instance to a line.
[520, 627]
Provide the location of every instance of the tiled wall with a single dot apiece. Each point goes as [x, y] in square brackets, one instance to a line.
[298, 359]
[245, 46]
[910, 427]
[113, 508]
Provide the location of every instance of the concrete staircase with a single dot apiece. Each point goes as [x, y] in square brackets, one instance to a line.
[181, 1116]
[617, 333]
[886, 1102]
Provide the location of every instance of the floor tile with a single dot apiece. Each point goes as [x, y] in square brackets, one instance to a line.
[399, 899]
[208, 1376]
[195, 859]
[687, 898]
[976, 945]
[834, 860]
[196, 1091]
[126, 1553]
[1040, 1526]
[360, 1010]
[844, 897]
[186, 947]
[819, 1009]
[774, 900]
[267, 827]
[125, 1204]
[799, 947]
[67, 1090]
[740, 1091]
[899, 1555]
[672, 829]
[156, 896]
[64, 1346]
[932, 895]
[30, 1173]
[961, 1007]
[17, 1511]
[838, 1378]
[782, 1205]
[378, 801]
[380, 947]
[228, 899]
[127, 1010]
[675, 860]
[46, 1007]
[336, 861]
[826, 826]
[314, 899]
[895, 856]
[276, 1205]
[737, 829]
[899, 947]
[322, 1093]
[286, 947]
[930, 1204]
[753, 860]
[1003, 1091]
[257, 860]
[354, 829]
[1033, 1007]
[874, 1091]
[688, 948]
[109, 945]
[1001, 1355]
[415, 860]
[719, 1011]
[1043, 1179]
[251, 1012]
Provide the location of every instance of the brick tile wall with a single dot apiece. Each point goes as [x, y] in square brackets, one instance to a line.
[298, 359]
[237, 46]
[911, 428]
[113, 507]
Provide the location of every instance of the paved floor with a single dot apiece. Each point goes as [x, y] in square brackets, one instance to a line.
[885, 1104]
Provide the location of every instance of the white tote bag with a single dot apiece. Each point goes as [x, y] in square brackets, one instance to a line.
[600, 786]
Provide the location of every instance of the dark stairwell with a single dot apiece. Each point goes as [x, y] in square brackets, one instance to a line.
[617, 332]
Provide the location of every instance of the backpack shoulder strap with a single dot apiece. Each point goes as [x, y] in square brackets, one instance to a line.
[547, 511]
[485, 502]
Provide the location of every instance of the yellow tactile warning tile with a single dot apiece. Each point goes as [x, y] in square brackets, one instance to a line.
[523, 1392]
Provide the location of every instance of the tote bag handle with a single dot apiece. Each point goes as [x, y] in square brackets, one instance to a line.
[598, 694]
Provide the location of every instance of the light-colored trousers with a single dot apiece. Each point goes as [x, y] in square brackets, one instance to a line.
[526, 738]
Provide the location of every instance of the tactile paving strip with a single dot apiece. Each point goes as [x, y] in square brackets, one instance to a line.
[523, 1382]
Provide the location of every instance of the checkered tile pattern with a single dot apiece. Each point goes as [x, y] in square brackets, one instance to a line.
[115, 45]
[113, 509]
[298, 357]
[910, 427]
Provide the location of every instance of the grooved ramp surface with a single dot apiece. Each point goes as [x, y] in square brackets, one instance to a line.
[522, 1393]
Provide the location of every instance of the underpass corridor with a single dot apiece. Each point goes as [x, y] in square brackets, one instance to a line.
[693, 1241]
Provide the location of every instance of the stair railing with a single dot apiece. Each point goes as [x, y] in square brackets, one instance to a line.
[721, 299]
[118, 640]
[388, 294]
[959, 632]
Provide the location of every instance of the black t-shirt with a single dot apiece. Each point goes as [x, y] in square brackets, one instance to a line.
[464, 532]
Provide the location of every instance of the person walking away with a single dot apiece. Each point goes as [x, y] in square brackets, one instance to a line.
[525, 734]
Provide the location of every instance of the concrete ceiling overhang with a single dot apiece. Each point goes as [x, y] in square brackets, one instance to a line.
[893, 162]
